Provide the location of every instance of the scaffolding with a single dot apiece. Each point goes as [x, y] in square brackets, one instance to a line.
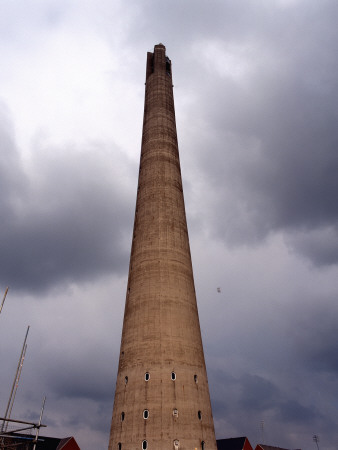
[12, 439]
[11, 430]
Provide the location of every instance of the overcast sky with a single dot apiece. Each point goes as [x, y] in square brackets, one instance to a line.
[256, 107]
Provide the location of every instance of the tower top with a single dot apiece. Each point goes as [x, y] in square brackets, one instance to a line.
[158, 62]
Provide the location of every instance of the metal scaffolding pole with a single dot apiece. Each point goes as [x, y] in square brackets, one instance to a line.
[16, 387]
[3, 300]
[39, 424]
[18, 370]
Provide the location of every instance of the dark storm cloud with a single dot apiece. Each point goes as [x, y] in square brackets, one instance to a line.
[257, 393]
[260, 394]
[316, 338]
[270, 138]
[12, 178]
[275, 343]
[82, 382]
[319, 245]
[246, 400]
[293, 412]
[64, 217]
[179, 24]
[284, 176]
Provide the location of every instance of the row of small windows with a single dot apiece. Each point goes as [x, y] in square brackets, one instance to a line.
[146, 414]
[176, 445]
[147, 377]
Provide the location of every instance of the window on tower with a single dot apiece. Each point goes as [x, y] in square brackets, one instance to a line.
[122, 416]
[147, 376]
[199, 414]
[119, 446]
[203, 445]
[173, 376]
[145, 414]
[168, 66]
[144, 445]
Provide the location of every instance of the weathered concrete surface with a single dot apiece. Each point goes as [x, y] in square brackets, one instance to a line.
[161, 332]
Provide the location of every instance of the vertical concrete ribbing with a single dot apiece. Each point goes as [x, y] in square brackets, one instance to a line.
[161, 331]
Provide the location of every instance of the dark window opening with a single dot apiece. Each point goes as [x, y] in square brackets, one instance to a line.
[203, 445]
[126, 380]
[147, 376]
[119, 446]
[199, 414]
[122, 416]
[195, 378]
[173, 376]
[168, 66]
[145, 414]
[144, 445]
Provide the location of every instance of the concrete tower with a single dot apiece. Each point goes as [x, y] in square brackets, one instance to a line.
[162, 397]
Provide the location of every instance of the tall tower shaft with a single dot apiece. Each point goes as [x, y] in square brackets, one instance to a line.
[162, 397]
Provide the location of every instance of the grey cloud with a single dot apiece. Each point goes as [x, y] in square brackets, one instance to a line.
[250, 398]
[269, 147]
[12, 177]
[70, 374]
[316, 338]
[196, 21]
[75, 382]
[59, 214]
[319, 245]
[293, 412]
[257, 393]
